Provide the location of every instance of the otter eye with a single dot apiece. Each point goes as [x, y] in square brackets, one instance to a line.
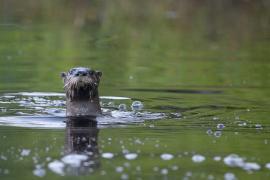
[91, 72]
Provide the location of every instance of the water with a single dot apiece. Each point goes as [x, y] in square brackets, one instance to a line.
[200, 70]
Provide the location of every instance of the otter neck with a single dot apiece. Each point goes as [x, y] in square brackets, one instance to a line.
[82, 106]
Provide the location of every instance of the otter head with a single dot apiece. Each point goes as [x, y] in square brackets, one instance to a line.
[81, 84]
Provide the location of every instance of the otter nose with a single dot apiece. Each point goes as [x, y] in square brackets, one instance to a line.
[81, 73]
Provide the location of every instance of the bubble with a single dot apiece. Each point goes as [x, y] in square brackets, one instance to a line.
[209, 132]
[126, 164]
[198, 158]
[40, 172]
[124, 176]
[131, 156]
[5, 171]
[258, 126]
[229, 176]
[220, 126]
[122, 107]
[3, 157]
[217, 134]
[242, 124]
[155, 168]
[137, 105]
[25, 152]
[166, 156]
[267, 165]
[210, 177]
[233, 160]
[217, 158]
[138, 168]
[174, 167]
[164, 171]
[250, 166]
[102, 172]
[119, 169]
[107, 155]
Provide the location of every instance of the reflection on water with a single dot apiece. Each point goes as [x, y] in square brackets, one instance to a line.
[81, 148]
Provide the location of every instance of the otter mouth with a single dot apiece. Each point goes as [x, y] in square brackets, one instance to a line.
[81, 88]
[81, 84]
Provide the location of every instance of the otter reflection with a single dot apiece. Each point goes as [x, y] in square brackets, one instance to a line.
[82, 143]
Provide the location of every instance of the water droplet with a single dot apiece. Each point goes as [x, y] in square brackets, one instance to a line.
[164, 171]
[127, 164]
[250, 166]
[267, 165]
[198, 158]
[229, 176]
[107, 155]
[258, 126]
[217, 158]
[40, 172]
[122, 107]
[166, 156]
[155, 168]
[131, 156]
[3, 157]
[233, 160]
[124, 176]
[175, 167]
[25, 152]
[5, 171]
[220, 126]
[119, 169]
[137, 105]
[209, 132]
[218, 134]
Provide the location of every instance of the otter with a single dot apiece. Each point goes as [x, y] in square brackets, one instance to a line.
[81, 88]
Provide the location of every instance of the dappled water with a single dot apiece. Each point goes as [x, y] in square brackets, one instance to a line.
[200, 69]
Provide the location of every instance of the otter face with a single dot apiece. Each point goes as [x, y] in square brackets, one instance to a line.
[81, 83]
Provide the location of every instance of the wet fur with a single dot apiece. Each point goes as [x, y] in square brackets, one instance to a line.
[80, 88]
[82, 92]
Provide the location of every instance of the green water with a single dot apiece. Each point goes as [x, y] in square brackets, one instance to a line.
[207, 60]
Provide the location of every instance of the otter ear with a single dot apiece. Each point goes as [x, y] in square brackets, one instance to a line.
[63, 75]
[99, 73]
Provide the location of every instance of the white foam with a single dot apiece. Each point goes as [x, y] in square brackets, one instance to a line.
[233, 160]
[251, 166]
[57, 167]
[74, 160]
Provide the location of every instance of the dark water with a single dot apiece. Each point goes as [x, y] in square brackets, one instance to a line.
[200, 68]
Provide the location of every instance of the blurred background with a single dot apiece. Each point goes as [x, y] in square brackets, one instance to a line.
[171, 43]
